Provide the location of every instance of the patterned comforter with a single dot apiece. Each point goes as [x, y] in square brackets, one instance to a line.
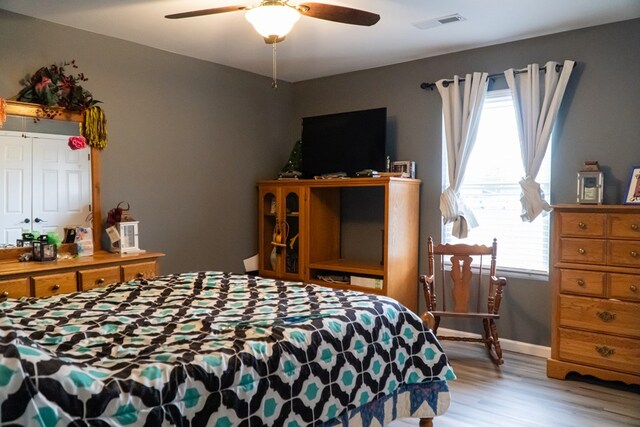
[216, 349]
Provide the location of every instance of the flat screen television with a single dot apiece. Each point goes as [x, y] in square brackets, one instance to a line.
[344, 142]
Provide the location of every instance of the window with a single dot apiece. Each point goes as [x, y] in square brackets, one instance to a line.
[491, 189]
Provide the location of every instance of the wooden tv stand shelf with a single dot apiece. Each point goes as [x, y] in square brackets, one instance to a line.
[314, 218]
[595, 279]
[40, 279]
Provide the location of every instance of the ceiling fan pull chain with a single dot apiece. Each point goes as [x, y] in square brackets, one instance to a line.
[274, 83]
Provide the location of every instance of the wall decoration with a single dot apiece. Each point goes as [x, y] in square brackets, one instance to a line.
[94, 127]
[58, 92]
[633, 189]
[77, 142]
[52, 88]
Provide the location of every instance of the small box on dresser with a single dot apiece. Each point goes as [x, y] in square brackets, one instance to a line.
[595, 277]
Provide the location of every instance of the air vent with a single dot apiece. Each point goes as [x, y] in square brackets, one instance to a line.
[436, 22]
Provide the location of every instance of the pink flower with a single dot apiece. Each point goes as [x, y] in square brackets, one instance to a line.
[43, 84]
[77, 142]
[66, 85]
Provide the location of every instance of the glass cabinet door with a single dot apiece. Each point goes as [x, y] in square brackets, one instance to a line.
[292, 215]
[268, 221]
[280, 226]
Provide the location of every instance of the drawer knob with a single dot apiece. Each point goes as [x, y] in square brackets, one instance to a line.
[605, 351]
[634, 254]
[5, 294]
[582, 225]
[140, 275]
[581, 283]
[633, 288]
[100, 281]
[606, 316]
[55, 287]
[582, 251]
[634, 227]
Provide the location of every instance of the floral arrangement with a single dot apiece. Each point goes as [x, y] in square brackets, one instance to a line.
[55, 91]
[53, 87]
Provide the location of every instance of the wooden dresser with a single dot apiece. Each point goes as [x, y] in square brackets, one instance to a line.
[40, 279]
[595, 278]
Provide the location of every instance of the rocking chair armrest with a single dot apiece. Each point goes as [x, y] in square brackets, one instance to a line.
[500, 281]
[427, 279]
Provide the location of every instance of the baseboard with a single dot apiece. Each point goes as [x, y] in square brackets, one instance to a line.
[507, 345]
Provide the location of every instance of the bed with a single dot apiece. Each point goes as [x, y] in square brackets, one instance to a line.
[217, 349]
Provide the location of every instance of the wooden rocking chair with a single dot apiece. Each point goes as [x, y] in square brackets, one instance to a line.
[463, 288]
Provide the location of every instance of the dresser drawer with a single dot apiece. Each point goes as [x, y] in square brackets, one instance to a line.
[588, 251]
[624, 226]
[139, 270]
[589, 283]
[614, 353]
[54, 284]
[14, 288]
[625, 287]
[98, 277]
[581, 224]
[600, 315]
[624, 253]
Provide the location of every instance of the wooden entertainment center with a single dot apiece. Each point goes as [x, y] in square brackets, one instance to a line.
[362, 229]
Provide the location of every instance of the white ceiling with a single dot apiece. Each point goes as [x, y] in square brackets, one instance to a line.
[317, 48]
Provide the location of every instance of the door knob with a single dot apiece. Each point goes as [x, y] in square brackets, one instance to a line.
[26, 220]
[38, 220]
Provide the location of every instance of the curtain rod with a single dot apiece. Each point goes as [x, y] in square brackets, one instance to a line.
[430, 86]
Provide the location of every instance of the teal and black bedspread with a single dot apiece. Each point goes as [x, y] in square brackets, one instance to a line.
[216, 349]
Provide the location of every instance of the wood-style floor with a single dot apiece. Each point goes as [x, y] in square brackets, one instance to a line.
[520, 394]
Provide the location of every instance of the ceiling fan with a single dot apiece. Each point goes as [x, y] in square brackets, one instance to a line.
[273, 19]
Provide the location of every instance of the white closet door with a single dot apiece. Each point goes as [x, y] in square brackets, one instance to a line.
[61, 184]
[15, 186]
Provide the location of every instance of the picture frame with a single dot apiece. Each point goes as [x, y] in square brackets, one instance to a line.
[406, 167]
[128, 237]
[43, 251]
[632, 196]
[590, 187]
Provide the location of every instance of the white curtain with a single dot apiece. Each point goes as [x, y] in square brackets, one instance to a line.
[461, 117]
[535, 119]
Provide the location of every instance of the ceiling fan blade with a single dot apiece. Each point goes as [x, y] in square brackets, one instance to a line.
[204, 12]
[345, 15]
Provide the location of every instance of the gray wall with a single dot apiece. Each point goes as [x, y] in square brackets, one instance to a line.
[188, 139]
[599, 120]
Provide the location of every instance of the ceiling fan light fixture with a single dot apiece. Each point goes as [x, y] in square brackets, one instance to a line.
[275, 19]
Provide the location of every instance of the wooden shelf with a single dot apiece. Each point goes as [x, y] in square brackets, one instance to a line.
[27, 109]
[348, 287]
[350, 266]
